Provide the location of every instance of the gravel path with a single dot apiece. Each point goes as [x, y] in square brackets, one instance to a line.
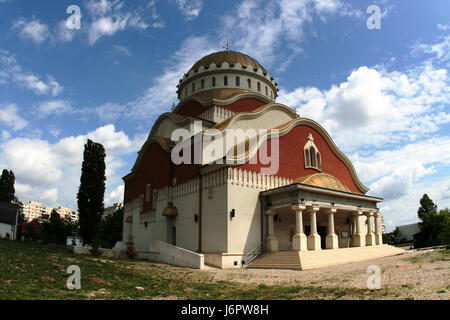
[412, 275]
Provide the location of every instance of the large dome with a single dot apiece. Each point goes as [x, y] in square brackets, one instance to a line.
[231, 57]
[226, 73]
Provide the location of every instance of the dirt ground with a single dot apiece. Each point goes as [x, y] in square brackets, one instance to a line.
[412, 275]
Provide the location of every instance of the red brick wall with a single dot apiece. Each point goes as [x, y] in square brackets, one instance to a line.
[292, 164]
[156, 168]
[194, 108]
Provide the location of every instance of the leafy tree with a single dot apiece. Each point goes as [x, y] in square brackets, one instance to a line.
[111, 229]
[426, 206]
[7, 191]
[53, 229]
[91, 191]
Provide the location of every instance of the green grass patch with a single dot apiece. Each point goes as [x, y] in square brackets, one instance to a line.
[36, 271]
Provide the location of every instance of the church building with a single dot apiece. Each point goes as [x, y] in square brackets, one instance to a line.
[284, 197]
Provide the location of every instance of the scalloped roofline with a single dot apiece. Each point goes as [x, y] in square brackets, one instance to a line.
[218, 102]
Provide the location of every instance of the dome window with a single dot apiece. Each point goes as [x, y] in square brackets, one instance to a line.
[259, 86]
[312, 157]
[214, 81]
[193, 87]
[267, 91]
[238, 82]
[225, 81]
[203, 84]
[249, 83]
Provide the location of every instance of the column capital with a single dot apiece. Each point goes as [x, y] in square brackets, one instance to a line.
[330, 210]
[357, 213]
[313, 208]
[298, 206]
[270, 212]
[369, 213]
[376, 213]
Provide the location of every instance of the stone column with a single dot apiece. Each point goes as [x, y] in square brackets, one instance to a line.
[332, 238]
[378, 234]
[272, 240]
[358, 238]
[299, 240]
[370, 236]
[314, 237]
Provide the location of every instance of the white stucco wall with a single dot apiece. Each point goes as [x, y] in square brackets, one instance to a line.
[4, 229]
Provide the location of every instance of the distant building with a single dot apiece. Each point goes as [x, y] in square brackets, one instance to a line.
[34, 210]
[407, 231]
[9, 215]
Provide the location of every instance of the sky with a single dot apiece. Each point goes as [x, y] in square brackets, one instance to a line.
[382, 94]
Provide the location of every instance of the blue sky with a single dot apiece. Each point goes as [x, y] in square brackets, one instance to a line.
[383, 94]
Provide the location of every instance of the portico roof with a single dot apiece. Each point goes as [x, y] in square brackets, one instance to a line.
[320, 190]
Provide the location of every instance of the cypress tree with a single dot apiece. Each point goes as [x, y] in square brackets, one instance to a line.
[7, 191]
[91, 191]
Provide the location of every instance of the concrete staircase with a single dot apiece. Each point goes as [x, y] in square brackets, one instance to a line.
[304, 260]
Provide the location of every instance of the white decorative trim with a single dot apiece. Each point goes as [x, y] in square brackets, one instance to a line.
[256, 180]
[216, 114]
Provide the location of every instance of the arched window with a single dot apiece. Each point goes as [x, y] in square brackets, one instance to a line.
[307, 158]
[203, 83]
[319, 161]
[312, 157]
[267, 91]
[259, 86]
[312, 153]
[193, 87]
[238, 82]
[249, 83]
[214, 81]
[225, 81]
[186, 92]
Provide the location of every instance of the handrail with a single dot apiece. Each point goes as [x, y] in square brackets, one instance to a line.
[250, 256]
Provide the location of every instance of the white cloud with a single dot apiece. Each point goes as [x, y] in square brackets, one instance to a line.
[289, 21]
[51, 172]
[190, 8]
[406, 105]
[10, 117]
[54, 107]
[49, 196]
[13, 72]
[122, 50]
[160, 96]
[115, 196]
[32, 30]
[63, 33]
[390, 124]
[5, 135]
[109, 17]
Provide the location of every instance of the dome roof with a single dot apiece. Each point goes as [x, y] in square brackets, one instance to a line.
[231, 57]
[323, 180]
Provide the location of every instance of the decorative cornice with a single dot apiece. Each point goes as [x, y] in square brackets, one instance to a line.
[224, 102]
[256, 114]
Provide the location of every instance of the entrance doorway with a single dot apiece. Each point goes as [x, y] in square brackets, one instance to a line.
[322, 231]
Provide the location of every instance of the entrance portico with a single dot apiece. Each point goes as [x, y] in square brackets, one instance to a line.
[300, 216]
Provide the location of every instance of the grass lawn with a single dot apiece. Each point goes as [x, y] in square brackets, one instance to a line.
[36, 271]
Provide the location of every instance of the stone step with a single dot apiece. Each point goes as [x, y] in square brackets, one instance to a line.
[316, 259]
